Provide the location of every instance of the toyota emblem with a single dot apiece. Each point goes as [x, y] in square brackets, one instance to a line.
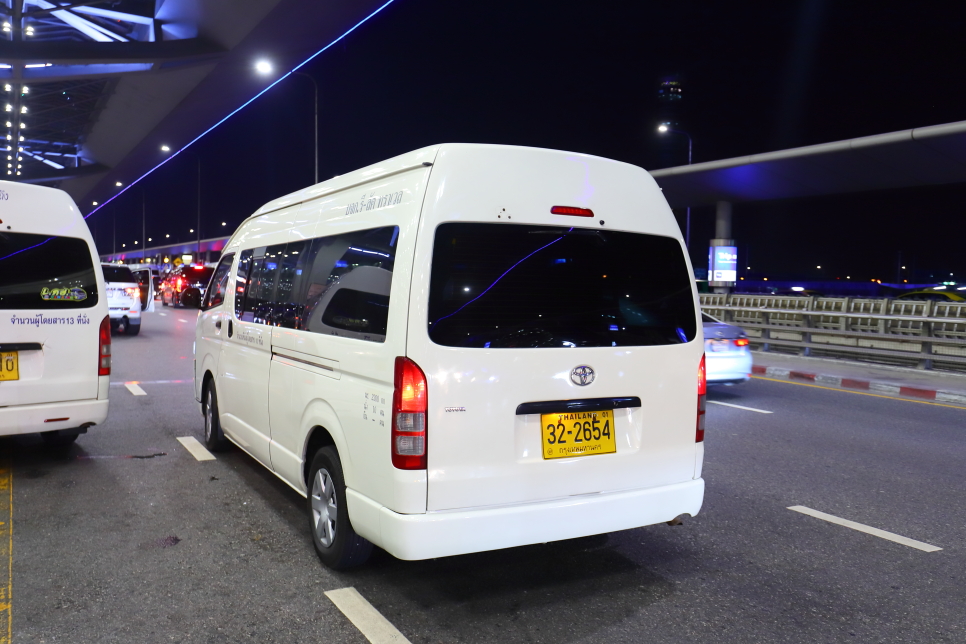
[582, 375]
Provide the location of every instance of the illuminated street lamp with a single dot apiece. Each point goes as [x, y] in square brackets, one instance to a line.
[265, 67]
[663, 128]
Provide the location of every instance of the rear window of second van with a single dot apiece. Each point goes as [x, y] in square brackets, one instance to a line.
[41, 272]
[523, 286]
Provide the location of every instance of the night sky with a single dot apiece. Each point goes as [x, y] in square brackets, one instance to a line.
[583, 77]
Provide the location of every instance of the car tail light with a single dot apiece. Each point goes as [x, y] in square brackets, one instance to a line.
[409, 406]
[741, 342]
[104, 348]
[570, 210]
[133, 291]
[179, 284]
[702, 403]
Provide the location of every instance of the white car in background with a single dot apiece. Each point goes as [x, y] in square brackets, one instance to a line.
[124, 299]
[726, 352]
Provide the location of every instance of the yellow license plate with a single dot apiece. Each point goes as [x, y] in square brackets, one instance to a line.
[9, 366]
[578, 433]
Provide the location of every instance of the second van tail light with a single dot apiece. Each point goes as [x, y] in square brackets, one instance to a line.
[741, 342]
[702, 400]
[409, 406]
[104, 347]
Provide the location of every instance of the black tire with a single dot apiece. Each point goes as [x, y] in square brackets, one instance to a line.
[60, 439]
[215, 440]
[133, 329]
[336, 543]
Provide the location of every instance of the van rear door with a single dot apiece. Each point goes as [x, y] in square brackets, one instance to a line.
[560, 361]
[48, 337]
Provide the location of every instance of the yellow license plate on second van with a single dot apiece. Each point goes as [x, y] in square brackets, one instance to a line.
[578, 433]
[9, 366]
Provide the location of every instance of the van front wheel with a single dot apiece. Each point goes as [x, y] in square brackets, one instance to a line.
[336, 543]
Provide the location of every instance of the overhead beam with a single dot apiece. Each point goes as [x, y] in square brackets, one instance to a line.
[60, 53]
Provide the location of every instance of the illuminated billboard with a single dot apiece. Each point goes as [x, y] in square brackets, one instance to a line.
[723, 263]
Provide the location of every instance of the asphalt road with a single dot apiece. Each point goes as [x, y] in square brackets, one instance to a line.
[128, 538]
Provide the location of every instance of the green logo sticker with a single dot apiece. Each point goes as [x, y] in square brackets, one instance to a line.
[63, 294]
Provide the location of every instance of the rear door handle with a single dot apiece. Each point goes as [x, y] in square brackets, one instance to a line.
[218, 324]
[230, 328]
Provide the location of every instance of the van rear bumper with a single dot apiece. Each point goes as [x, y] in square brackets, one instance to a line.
[442, 534]
[27, 419]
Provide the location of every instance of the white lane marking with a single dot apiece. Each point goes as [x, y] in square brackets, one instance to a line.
[163, 314]
[180, 320]
[367, 619]
[134, 389]
[760, 411]
[906, 541]
[195, 448]
[151, 382]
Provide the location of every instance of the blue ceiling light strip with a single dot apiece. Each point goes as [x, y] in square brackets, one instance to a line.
[241, 107]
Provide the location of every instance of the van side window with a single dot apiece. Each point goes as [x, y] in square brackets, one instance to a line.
[261, 285]
[241, 281]
[215, 294]
[346, 280]
[289, 294]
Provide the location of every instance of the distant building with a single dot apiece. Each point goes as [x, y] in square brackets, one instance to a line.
[670, 96]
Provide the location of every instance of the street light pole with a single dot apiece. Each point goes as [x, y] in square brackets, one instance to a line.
[316, 87]
[687, 230]
[265, 67]
[198, 229]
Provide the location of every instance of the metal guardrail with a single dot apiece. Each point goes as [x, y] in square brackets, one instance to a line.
[927, 335]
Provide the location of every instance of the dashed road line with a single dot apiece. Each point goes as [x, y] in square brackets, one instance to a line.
[134, 389]
[906, 541]
[195, 448]
[151, 382]
[363, 616]
[163, 314]
[181, 320]
[760, 411]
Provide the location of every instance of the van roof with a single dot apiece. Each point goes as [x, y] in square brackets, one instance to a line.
[411, 160]
[38, 209]
[401, 163]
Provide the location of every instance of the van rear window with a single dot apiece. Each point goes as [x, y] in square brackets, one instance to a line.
[521, 286]
[118, 274]
[41, 273]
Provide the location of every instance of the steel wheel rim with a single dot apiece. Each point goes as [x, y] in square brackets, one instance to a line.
[324, 507]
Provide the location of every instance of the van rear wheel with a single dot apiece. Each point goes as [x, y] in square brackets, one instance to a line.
[336, 543]
[59, 439]
[214, 438]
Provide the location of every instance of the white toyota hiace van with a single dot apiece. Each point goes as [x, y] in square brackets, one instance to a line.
[55, 333]
[463, 348]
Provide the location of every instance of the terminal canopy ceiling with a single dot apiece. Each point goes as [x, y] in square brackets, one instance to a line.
[92, 88]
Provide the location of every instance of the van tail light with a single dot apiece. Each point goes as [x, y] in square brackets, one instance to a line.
[573, 212]
[132, 291]
[741, 342]
[179, 284]
[702, 400]
[104, 347]
[409, 405]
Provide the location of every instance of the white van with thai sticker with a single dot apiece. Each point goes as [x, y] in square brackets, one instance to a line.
[124, 299]
[464, 348]
[55, 333]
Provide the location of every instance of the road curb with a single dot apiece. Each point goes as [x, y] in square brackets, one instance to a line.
[882, 387]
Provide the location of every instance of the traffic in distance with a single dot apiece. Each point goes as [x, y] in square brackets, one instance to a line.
[416, 388]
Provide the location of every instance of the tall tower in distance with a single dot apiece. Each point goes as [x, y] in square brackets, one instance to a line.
[670, 96]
